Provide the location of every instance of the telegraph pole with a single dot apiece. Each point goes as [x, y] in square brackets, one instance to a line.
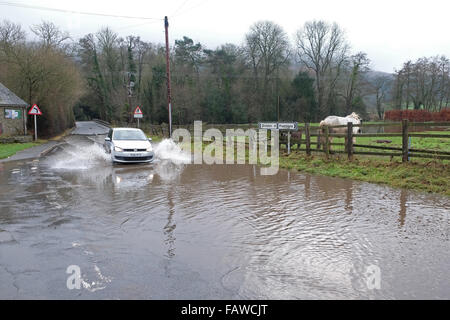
[169, 88]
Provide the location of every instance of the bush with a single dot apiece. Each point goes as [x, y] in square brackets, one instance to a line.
[418, 115]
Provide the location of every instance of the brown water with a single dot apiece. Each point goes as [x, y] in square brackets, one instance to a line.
[172, 231]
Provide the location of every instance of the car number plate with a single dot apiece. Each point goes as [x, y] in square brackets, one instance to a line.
[136, 155]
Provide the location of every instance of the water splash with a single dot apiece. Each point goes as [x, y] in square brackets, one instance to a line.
[169, 150]
[79, 157]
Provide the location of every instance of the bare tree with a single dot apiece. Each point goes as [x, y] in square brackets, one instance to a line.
[425, 83]
[11, 33]
[381, 85]
[355, 69]
[268, 49]
[50, 35]
[322, 48]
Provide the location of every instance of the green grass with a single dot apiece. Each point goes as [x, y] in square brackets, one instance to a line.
[437, 144]
[428, 176]
[10, 149]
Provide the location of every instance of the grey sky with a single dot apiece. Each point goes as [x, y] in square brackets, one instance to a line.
[390, 31]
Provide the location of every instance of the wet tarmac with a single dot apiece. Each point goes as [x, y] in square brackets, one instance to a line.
[171, 230]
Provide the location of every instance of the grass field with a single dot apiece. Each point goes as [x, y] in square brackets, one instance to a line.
[10, 149]
[426, 175]
[437, 144]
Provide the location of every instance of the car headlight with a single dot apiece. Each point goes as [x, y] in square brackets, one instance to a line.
[118, 149]
[149, 149]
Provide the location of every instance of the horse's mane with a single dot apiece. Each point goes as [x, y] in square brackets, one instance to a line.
[354, 115]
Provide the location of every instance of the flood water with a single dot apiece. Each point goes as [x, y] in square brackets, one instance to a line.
[177, 231]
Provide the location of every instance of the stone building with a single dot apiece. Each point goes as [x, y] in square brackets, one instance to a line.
[13, 114]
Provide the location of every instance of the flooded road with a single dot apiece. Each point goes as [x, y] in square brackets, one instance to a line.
[176, 231]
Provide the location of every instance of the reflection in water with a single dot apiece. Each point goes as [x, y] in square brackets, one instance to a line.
[403, 207]
[349, 198]
[169, 228]
[215, 232]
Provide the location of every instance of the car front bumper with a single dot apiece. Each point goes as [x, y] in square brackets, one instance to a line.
[133, 157]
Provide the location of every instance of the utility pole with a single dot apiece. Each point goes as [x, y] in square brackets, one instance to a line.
[169, 88]
[278, 108]
[130, 95]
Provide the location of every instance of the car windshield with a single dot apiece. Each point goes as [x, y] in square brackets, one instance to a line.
[134, 135]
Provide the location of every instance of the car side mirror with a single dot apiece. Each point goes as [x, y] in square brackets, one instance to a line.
[108, 139]
[150, 139]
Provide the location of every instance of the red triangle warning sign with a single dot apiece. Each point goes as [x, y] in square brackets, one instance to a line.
[138, 111]
[35, 111]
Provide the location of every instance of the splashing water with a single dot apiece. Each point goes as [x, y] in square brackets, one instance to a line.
[81, 157]
[169, 150]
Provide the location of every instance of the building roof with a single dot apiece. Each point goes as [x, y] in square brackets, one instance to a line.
[9, 99]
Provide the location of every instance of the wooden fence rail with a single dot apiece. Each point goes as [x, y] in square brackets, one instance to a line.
[324, 135]
[406, 152]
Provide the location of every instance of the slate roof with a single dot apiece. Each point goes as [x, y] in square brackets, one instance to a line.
[9, 99]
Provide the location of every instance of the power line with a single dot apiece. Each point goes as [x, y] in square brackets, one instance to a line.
[191, 8]
[179, 8]
[20, 5]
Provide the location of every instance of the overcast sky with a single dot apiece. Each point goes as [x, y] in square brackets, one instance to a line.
[389, 31]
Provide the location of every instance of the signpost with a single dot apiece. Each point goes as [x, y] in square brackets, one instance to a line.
[282, 126]
[288, 126]
[268, 126]
[138, 114]
[35, 111]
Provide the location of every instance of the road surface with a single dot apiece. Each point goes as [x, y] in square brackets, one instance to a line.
[90, 128]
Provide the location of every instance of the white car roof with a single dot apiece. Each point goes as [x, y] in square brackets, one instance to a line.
[126, 129]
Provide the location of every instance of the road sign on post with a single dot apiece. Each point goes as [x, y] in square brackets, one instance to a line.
[268, 126]
[282, 126]
[138, 114]
[288, 126]
[35, 111]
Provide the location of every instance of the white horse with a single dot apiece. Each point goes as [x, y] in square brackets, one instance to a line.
[340, 121]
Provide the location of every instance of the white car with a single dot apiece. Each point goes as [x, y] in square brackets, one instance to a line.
[127, 145]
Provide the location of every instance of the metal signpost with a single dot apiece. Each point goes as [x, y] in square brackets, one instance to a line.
[268, 126]
[35, 111]
[281, 126]
[288, 126]
[138, 114]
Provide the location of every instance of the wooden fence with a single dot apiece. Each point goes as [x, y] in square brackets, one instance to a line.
[307, 132]
[405, 152]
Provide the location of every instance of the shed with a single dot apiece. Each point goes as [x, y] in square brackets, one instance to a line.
[13, 116]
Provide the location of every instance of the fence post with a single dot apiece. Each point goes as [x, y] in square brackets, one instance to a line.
[289, 142]
[319, 134]
[405, 140]
[308, 139]
[349, 145]
[327, 142]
